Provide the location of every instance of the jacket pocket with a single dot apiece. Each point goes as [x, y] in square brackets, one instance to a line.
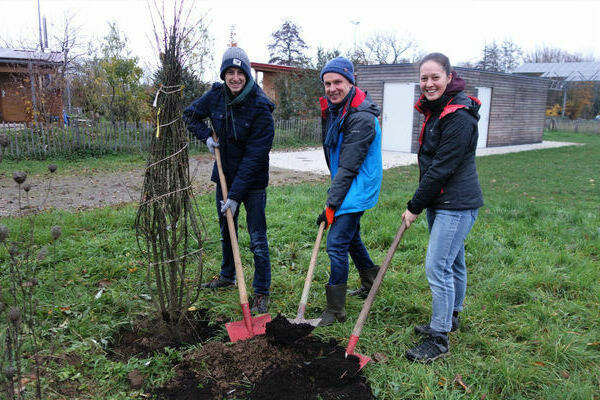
[242, 131]
[218, 120]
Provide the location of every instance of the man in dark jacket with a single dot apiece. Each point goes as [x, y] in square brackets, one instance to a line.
[240, 114]
[352, 146]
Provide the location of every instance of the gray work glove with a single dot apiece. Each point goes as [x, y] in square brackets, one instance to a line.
[211, 144]
[231, 204]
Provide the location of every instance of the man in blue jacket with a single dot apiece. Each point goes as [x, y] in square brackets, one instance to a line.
[240, 114]
[352, 144]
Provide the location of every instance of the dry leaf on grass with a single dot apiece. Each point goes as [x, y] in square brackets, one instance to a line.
[379, 357]
[442, 381]
[104, 283]
[459, 380]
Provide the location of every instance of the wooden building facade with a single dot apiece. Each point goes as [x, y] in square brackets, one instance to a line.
[512, 110]
[29, 87]
[270, 73]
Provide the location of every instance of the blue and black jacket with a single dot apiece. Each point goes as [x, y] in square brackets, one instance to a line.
[448, 177]
[355, 159]
[245, 131]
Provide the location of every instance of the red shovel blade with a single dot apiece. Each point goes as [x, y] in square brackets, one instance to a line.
[363, 360]
[248, 327]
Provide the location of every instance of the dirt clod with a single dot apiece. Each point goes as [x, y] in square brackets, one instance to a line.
[147, 336]
[280, 330]
[136, 379]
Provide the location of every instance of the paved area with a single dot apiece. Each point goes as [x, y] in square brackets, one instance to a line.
[313, 160]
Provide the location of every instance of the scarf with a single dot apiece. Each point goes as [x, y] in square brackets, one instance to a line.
[236, 100]
[337, 112]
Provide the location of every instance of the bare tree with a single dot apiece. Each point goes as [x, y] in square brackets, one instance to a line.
[387, 48]
[68, 42]
[548, 54]
[199, 46]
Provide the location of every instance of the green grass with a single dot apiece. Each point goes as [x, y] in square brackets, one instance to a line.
[531, 326]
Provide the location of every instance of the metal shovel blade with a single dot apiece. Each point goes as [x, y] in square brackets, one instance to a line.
[300, 317]
[312, 322]
[248, 327]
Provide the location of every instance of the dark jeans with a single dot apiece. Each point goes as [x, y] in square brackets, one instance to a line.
[344, 238]
[254, 203]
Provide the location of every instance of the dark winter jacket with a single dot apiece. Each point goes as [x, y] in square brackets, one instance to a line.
[355, 158]
[448, 177]
[245, 133]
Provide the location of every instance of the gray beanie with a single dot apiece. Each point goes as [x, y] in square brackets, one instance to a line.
[340, 65]
[235, 57]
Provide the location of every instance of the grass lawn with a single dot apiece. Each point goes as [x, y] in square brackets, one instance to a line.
[531, 325]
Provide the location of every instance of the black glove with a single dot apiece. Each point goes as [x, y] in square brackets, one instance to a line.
[327, 216]
[322, 218]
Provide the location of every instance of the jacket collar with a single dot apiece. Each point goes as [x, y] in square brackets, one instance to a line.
[358, 98]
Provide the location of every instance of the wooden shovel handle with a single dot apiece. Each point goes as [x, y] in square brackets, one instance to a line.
[239, 272]
[360, 322]
[310, 272]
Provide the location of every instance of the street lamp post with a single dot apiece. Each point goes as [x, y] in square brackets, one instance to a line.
[355, 23]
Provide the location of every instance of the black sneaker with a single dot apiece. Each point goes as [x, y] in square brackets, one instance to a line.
[216, 283]
[426, 330]
[260, 304]
[361, 292]
[430, 349]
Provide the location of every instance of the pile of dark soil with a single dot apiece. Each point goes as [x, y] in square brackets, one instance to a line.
[147, 336]
[276, 366]
[280, 330]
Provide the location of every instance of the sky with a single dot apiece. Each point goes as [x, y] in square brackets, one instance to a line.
[458, 28]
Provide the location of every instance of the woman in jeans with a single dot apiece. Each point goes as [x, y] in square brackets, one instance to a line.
[449, 190]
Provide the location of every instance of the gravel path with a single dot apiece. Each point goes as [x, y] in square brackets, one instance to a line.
[83, 191]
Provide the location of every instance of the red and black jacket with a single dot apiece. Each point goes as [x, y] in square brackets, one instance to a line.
[447, 143]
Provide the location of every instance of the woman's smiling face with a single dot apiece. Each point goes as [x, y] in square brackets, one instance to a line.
[433, 80]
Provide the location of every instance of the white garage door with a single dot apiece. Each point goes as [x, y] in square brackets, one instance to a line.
[485, 95]
[398, 102]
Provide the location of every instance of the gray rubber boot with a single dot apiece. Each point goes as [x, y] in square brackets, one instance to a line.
[367, 276]
[336, 304]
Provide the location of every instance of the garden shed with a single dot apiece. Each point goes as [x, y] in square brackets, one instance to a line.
[28, 78]
[270, 72]
[512, 106]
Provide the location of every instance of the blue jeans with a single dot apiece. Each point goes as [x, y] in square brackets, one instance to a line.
[445, 263]
[344, 238]
[254, 203]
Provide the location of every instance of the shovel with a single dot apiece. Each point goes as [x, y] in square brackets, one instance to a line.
[360, 322]
[309, 275]
[249, 326]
